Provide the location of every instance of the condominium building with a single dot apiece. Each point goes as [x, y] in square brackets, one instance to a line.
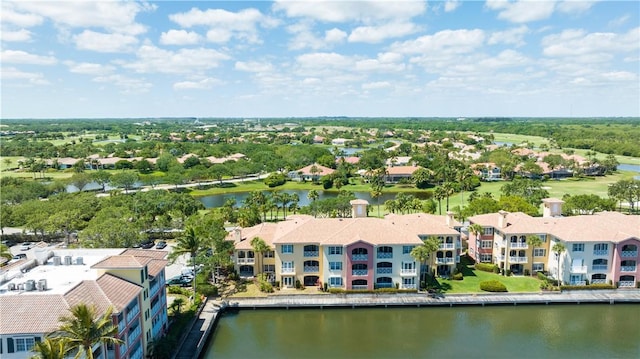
[348, 253]
[599, 248]
[36, 293]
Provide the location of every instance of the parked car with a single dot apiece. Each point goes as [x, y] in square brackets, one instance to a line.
[161, 245]
[19, 256]
[26, 246]
[9, 243]
[179, 280]
[147, 244]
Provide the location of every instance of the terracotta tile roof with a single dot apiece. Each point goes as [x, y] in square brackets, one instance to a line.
[402, 170]
[88, 291]
[122, 261]
[145, 253]
[156, 266]
[266, 231]
[322, 170]
[17, 313]
[118, 291]
[422, 223]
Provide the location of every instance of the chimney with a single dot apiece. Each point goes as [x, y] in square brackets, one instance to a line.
[449, 219]
[552, 207]
[358, 208]
[237, 235]
[502, 219]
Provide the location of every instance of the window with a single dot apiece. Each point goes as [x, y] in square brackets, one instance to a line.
[335, 281]
[287, 248]
[335, 250]
[543, 238]
[268, 254]
[145, 294]
[486, 244]
[335, 265]
[141, 276]
[269, 268]
[539, 252]
[408, 266]
[287, 265]
[486, 258]
[578, 247]
[488, 231]
[24, 344]
[600, 249]
[538, 267]
[407, 249]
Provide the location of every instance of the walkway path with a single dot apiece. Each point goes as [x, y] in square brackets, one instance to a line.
[192, 345]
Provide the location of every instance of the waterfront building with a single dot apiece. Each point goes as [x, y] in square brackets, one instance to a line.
[35, 293]
[349, 253]
[599, 249]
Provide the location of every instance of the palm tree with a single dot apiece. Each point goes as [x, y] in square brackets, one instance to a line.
[423, 252]
[477, 230]
[439, 194]
[188, 243]
[259, 248]
[558, 249]
[5, 252]
[50, 348]
[313, 196]
[84, 328]
[448, 189]
[533, 241]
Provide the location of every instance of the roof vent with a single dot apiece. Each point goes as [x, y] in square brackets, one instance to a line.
[41, 285]
[57, 260]
[67, 260]
[30, 285]
[79, 261]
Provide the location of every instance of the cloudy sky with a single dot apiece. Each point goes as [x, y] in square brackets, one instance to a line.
[98, 59]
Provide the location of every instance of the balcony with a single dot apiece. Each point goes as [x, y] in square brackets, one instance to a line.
[360, 272]
[384, 285]
[501, 257]
[360, 257]
[519, 245]
[626, 284]
[579, 269]
[246, 260]
[628, 269]
[408, 271]
[384, 255]
[131, 313]
[137, 354]
[359, 287]
[579, 282]
[155, 309]
[154, 289]
[599, 267]
[516, 259]
[408, 286]
[598, 281]
[447, 260]
[121, 325]
[311, 269]
[311, 253]
[123, 350]
[385, 270]
[446, 246]
[133, 335]
[287, 270]
[629, 253]
[600, 252]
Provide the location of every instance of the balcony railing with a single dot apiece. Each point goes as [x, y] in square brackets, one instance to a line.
[311, 269]
[137, 354]
[408, 271]
[579, 282]
[133, 335]
[155, 309]
[626, 284]
[357, 287]
[521, 245]
[121, 325]
[384, 270]
[311, 253]
[246, 260]
[288, 270]
[132, 313]
[359, 257]
[579, 269]
[446, 246]
[599, 267]
[360, 272]
[384, 255]
[123, 349]
[501, 257]
[384, 285]
[446, 260]
[600, 252]
[516, 259]
[598, 281]
[629, 253]
[408, 286]
[628, 268]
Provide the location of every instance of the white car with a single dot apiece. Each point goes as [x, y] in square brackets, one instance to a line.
[26, 246]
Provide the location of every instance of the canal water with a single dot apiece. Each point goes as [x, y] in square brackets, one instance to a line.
[554, 331]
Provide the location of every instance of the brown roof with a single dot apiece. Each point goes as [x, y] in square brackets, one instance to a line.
[155, 254]
[156, 266]
[17, 313]
[322, 170]
[402, 170]
[422, 223]
[122, 261]
[118, 291]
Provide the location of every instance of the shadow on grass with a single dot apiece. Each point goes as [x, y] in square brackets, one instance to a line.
[437, 287]
[467, 271]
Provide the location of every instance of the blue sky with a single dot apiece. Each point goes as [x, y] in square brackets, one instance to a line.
[97, 59]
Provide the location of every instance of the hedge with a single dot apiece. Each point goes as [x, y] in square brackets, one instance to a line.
[493, 286]
[369, 291]
[486, 267]
[588, 287]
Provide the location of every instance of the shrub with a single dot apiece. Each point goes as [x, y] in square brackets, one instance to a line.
[527, 272]
[493, 286]
[507, 272]
[486, 267]
[174, 289]
[325, 286]
[266, 287]
[458, 276]
[298, 284]
[496, 270]
[587, 287]
[208, 290]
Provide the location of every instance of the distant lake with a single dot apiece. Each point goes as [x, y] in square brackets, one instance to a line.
[628, 167]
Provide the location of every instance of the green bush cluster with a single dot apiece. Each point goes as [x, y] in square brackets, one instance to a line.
[263, 284]
[458, 276]
[174, 289]
[486, 267]
[369, 291]
[588, 287]
[492, 286]
[207, 290]
[547, 282]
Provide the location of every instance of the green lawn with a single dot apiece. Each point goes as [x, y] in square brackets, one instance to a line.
[472, 279]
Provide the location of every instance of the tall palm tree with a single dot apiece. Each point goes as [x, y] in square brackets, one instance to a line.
[439, 194]
[423, 252]
[533, 241]
[84, 328]
[5, 252]
[558, 249]
[188, 243]
[259, 248]
[50, 348]
[313, 196]
[477, 230]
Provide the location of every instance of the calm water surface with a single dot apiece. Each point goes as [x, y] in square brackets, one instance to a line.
[556, 331]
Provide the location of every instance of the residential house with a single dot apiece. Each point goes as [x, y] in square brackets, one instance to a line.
[310, 173]
[399, 173]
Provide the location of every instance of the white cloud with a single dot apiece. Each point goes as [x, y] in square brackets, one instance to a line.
[375, 34]
[575, 6]
[321, 60]
[179, 37]
[334, 36]
[21, 19]
[101, 42]
[203, 84]
[376, 85]
[451, 5]
[385, 62]
[11, 73]
[304, 37]
[21, 57]
[21, 35]
[253, 66]
[366, 12]
[127, 84]
[578, 42]
[521, 11]
[223, 24]
[87, 68]
[514, 36]
[446, 41]
[507, 58]
[153, 59]
[619, 21]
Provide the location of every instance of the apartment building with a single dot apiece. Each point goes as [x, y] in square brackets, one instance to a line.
[348, 253]
[35, 293]
[599, 248]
